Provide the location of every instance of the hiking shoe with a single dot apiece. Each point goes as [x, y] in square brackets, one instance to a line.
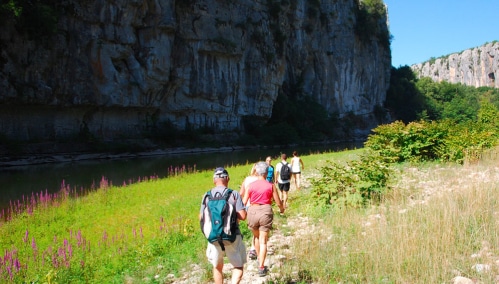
[252, 254]
[262, 271]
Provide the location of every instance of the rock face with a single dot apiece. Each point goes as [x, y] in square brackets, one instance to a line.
[115, 68]
[477, 67]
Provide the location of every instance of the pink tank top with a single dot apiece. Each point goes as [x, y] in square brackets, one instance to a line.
[260, 192]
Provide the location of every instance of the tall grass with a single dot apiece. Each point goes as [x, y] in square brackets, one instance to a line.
[439, 222]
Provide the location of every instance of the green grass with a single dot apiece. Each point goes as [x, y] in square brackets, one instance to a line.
[436, 222]
[144, 230]
[115, 234]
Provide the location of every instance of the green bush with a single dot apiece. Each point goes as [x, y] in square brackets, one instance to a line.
[436, 140]
[414, 141]
[355, 184]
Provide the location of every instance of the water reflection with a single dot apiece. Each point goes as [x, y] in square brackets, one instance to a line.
[20, 181]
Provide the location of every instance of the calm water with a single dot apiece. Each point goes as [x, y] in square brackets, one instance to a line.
[19, 181]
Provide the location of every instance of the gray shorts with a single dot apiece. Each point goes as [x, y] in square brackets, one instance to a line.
[235, 252]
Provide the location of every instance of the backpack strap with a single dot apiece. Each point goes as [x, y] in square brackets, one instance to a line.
[227, 193]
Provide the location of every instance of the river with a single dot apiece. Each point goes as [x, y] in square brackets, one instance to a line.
[17, 182]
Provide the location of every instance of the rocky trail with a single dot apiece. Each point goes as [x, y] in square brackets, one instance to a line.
[425, 184]
[287, 230]
[279, 244]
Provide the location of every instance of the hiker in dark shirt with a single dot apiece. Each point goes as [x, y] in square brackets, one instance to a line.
[283, 185]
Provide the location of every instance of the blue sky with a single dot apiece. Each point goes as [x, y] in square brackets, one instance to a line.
[432, 28]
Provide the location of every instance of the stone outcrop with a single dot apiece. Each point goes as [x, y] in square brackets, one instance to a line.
[478, 67]
[115, 68]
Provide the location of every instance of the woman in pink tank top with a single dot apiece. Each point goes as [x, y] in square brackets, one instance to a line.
[260, 216]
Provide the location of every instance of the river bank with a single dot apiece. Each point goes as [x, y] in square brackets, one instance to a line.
[45, 153]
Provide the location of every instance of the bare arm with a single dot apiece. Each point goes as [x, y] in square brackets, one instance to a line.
[246, 196]
[301, 162]
[242, 191]
[241, 214]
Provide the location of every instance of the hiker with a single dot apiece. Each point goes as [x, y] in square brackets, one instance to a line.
[253, 176]
[283, 184]
[270, 175]
[296, 167]
[236, 251]
[261, 193]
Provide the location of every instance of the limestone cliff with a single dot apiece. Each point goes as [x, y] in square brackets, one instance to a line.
[114, 68]
[478, 67]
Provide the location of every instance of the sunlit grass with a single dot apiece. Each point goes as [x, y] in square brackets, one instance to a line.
[144, 230]
[439, 221]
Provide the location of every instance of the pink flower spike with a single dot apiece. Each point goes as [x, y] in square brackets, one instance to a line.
[33, 243]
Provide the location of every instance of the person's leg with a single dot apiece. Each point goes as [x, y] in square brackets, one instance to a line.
[236, 253]
[218, 276]
[256, 241]
[262, 252]
[237, 275]
[215, 256]
[252, 252]
[293, 177]
[298, 181]
[284, 198]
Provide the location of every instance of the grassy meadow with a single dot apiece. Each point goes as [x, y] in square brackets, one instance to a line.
[438, 221]
[115, 234]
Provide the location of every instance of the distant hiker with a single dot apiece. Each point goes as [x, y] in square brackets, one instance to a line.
[283, 177]
[253, 176]
[270, 175]
[296, 167]
[261, 193]
[236, 250]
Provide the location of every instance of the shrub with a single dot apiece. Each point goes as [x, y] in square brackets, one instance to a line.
[355, 184]
[414, 141]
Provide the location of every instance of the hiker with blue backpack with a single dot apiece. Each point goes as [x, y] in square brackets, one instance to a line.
[270, 175]
[283, 177]
[261, 195]
[221, 209]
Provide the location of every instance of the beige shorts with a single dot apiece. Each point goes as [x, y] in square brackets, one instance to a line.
[260, 217]
[235, 252]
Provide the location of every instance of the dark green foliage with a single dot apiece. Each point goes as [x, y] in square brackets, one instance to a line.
[402, 97]
[370, 19]
[355, 184]
[308, 119]
[37, 19]
[412, 99]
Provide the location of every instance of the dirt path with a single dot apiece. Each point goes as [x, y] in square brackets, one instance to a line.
[286, 230]
[281, 240]
[424, 184]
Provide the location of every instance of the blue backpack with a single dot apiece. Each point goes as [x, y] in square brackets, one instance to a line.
[219, 218]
